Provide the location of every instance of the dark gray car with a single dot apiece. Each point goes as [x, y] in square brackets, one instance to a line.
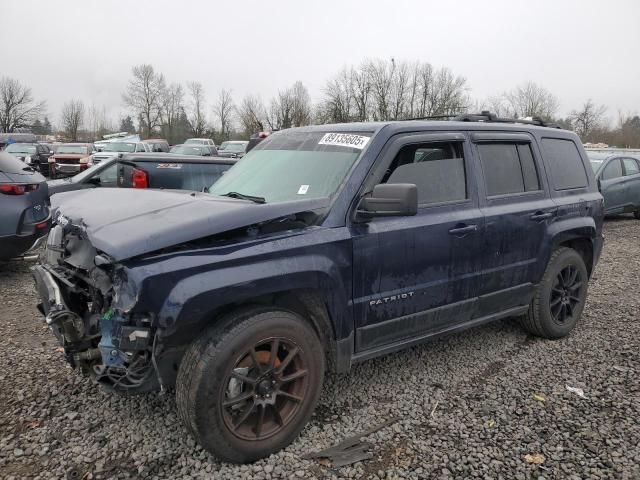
[619, 177]
[24, 207]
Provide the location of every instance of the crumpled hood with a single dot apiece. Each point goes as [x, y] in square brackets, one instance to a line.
[125, 223]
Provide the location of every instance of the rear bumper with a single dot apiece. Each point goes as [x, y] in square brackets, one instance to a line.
[12, 246]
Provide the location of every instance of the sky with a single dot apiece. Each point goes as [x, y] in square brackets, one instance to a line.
[85, 49]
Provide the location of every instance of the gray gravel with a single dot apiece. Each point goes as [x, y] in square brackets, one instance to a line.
[481, 404]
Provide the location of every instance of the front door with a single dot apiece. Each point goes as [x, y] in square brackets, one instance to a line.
[612, 184]
[414, 276]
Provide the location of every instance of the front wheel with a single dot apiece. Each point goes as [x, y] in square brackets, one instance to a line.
[246, 389]
[560, 297]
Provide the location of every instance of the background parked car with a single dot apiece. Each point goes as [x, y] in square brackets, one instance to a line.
[158, 145]
[233, 148]
[256, 139]
[148, 170]
[70, 159]
[24, 207]
[33, 154]
[198, 150]
[9, 138]
[200, 141]
[112, 149]
[619, 179]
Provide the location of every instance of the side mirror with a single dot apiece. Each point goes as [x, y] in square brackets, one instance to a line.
[94, 180]
[390, 200]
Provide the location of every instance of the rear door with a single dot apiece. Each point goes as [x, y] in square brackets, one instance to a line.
[518, 210]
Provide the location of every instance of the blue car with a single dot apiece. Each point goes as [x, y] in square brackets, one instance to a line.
[322, 247]
[618, 174]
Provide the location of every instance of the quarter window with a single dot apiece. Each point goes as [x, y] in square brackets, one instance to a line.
[437, 170]
[508, 168]
[567, 169]
[612, 170]
[630, 166]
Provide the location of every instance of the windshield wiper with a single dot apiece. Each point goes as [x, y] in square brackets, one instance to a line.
[242, 196]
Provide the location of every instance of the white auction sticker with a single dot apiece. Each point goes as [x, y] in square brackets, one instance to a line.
[303, 189]
[344, 140]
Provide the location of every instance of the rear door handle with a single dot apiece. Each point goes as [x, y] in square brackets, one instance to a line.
[541, 215]
[462, 229]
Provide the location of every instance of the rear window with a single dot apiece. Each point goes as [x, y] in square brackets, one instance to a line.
[567, 169]
[10, 164]
[183, 176]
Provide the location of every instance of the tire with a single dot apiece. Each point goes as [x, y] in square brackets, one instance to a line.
[556, 307]
[221, 382]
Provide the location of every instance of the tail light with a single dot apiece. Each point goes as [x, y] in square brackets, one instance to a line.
[16, 189]
[139, 178]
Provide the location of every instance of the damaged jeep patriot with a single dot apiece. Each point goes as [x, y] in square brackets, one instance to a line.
[324, 246]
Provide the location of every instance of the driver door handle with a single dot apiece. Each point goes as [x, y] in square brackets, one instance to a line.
[541, 215]
[463, 229]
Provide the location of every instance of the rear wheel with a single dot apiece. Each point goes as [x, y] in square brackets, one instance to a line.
[246, 390]
[559, 299]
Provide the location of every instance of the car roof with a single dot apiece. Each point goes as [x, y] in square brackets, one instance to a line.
[78, 144]
[154, 140]
[173, 158]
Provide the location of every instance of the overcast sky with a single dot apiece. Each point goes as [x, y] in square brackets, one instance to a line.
[85, 49]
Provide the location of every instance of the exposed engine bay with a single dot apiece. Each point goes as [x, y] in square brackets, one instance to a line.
[89, 311]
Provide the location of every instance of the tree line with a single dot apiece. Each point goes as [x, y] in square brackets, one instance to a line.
[374, 90]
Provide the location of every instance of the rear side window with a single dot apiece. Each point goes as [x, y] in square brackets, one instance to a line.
[567, 170]
[630, 166]
[437, 169]
[508, 168]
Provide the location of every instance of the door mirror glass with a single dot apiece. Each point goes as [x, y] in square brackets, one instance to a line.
[390, 200]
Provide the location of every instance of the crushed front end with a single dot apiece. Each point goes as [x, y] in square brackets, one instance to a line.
[88, 303]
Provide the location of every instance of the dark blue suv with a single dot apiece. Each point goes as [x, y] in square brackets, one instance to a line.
[323, 246]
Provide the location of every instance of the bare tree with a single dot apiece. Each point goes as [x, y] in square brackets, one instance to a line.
[390, 90]
[144, 95]
[588, 119]
[97, 122]
[172, 108]
[223, 111]
[301, 105]
[196, 113]
[531, 100]
[17, 107]
[72, 118]
[251, 114]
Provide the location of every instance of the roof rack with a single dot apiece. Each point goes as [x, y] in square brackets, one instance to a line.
[486, 116]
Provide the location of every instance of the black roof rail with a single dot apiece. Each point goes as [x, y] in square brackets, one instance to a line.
[430, 117]
[486, 116]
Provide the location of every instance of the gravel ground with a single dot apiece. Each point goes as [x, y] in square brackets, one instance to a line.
[486, 403]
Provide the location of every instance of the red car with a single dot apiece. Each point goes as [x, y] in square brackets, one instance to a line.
[70, 159]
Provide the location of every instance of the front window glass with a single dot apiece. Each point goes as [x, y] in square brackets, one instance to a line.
[294, 165]
[188, 150]
[21, 148]
[87, 173]
[73, 149]
[235, 147]
[119, 147]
